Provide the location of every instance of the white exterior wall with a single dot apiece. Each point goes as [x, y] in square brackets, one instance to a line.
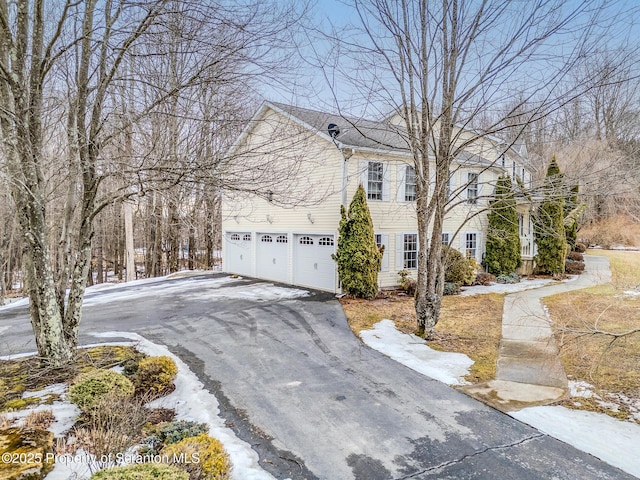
[315, 194]
[321, 179]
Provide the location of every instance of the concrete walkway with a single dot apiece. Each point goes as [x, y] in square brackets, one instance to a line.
[529, 371]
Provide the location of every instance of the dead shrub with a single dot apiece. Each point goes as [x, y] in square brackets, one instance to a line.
[4, 421]
[484, 279]
[112, 426]
[39, 419]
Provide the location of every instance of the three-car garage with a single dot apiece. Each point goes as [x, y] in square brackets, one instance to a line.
[288, 257]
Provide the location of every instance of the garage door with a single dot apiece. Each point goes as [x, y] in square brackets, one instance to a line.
[313, 266]
[272, 254]
[238, 253]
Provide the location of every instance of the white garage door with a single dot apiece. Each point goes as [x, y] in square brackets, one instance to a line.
[313, 266]
[238, 253]
[272, 254]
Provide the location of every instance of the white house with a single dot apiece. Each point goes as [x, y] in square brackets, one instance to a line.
[288, 232]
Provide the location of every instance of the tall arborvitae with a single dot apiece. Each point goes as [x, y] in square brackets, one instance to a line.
[358, 256]
[503, 239]
[549, 225]
[572, 210]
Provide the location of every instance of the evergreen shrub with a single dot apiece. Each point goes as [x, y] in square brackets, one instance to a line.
[155, 375]
[503, 238]
[142, 471]
[357, 256]
[90, 387]
[212, 460]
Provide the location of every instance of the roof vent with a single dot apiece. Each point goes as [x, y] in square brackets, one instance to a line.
[333, 130]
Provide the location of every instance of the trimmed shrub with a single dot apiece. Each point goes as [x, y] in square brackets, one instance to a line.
[511, 278]
[451, 288]
[580, 247]
[358, 257]
[457, 268]
[173, 432]
[503, 239]
[484, 279]
[549, 225]
[203, 457]
[90, 387]
[575, 256]
[142, 471]
[573, 267]
[155, 376]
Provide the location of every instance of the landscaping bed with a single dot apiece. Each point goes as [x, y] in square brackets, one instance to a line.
[97, 419]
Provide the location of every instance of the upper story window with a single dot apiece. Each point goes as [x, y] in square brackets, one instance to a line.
[375, 180]
[472, 188]
[410, 194]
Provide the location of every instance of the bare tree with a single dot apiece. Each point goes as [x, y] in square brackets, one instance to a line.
[442, 66]
[85, 53]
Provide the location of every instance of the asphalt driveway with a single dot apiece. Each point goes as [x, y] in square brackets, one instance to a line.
[295, 383]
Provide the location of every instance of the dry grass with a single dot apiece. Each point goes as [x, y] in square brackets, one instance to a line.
[469, 325]
[39, 419]
[586, 323]
[615, 230]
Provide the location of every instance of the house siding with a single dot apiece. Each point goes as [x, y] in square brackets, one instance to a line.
[320, 186]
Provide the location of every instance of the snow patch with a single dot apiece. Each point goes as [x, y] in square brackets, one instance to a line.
[521, 286]
[580, 389]
[192, 401]
[413, 352]
[611, 440]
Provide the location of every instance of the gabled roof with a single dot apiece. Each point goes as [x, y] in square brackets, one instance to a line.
[358, 133]
[354, 132]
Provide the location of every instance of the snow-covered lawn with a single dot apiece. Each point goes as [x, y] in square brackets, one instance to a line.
[613, 441]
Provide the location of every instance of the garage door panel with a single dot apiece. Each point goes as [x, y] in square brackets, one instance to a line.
[238, 253]
[313, 266]
[272, 255]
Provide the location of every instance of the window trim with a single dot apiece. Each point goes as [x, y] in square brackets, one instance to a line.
[379, 196]
[407, 184]
[476, 248]
[473, 188]
[410, 261]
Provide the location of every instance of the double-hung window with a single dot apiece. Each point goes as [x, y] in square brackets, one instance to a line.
[410, 250]
[445, 239]
[472, 188]
[375, 180]
[410, 184]
[471, 244]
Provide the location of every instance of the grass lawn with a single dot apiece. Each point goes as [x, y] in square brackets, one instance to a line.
[469, 325]
[590, 327]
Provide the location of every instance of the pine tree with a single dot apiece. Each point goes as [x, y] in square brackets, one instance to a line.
[549, 224]
[358, 257]
[503, 239]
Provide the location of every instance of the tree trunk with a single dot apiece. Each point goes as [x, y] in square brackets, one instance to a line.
[130, 264]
